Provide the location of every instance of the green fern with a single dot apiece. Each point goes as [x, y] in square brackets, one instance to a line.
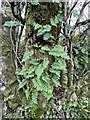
[34, 96]
[40, 69]
[56, 80]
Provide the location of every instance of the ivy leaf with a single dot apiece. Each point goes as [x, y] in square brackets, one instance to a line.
[22, 84]
[27, 55]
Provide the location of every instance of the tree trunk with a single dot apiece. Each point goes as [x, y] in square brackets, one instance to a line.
[8, 81]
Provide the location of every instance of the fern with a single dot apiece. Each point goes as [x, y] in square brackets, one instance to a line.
[31, 69]
[22, 84]
[59, 64]
[42, 67]
[34, 96]
[27, 93]
[56, 80]
[58, 51]
[37, 84]
[45, 77]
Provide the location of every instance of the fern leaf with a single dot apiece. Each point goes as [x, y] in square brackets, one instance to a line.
[34, 97]
[41, 67]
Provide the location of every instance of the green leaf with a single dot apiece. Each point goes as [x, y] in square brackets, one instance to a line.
[37, 84]
[54, 21]
[34, 62]
[41, 67]
[60, 18]
[76, 14]
[45, 77]
[45, 48]
[22, 83]
[47, 28]
[37, 26]
[56, 80]
[47, 95]
[31, 69]
[59, 64]
[27, 76]
[39, 70]
[56, 1]
[56, 51]
[47, 36]
[27, 55]
[12, 23]
[27, 92]
[18, 71]
[69, 27]
[23, 71]
[34, 97]
[44, 103]
[57, 72]
[45, 62]
[42, 30]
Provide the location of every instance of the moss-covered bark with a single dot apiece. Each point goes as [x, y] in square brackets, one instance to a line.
[7, 70]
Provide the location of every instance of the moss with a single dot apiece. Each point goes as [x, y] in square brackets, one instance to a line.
[10, 93]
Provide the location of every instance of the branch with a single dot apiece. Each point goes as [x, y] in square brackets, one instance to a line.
[15, 15]
[81, 11]
[17, 58]
[69, 13]
[83, 23]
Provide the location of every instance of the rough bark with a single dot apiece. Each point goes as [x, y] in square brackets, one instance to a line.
[8, 81]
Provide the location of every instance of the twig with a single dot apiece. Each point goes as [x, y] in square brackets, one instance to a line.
[18, 17]
[69, 13]
[83, 23]
[81, 11]
[14, 47]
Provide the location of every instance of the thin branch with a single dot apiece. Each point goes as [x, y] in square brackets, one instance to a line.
[81, 11]
[14, 48]
[83, 23]
[69, 13]
[15, 15]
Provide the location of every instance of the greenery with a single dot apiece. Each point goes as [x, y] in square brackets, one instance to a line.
[52, 73]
